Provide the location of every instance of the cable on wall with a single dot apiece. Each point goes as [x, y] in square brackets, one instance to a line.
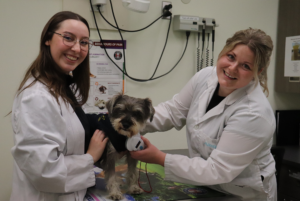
[168, 13]
[207, 51]
[129, 30]
[198, 53]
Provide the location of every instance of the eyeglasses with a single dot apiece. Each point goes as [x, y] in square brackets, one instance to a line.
[70, 40]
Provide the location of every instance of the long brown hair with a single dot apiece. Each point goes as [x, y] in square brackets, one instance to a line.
[45, 70]
[261, 45]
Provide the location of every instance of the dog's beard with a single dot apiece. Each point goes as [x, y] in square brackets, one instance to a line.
[131, 131]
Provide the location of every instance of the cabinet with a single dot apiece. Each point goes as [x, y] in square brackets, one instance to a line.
[288, 25]
[289, 179]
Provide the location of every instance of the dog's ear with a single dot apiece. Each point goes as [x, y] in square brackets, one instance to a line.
[112, 102]
[148, 103]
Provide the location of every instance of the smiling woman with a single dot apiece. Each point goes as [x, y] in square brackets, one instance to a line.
[235, 69]
[259, 48]
[65, 50]
[229, 123]
[52, 161]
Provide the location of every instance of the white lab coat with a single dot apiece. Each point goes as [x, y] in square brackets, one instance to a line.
[49, 159]
[229, 146]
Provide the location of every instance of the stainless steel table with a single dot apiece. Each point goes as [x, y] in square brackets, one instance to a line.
[99, 188]
[224, 198]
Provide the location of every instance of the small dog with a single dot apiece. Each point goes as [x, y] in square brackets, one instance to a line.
[100, 104]
[102, 89]
[128, 117]
[92, 75]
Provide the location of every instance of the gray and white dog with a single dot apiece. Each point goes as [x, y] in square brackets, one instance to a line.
[128, 116]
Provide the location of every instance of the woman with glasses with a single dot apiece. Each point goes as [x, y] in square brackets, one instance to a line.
[51, 159]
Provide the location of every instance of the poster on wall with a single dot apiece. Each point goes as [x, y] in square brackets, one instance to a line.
[292, 57]
[106, 79]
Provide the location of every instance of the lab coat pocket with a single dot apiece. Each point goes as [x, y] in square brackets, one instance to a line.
[210, 144]
[206, 145]
[250, 177]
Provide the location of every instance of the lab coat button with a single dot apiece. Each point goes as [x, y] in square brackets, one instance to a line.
[196, 127]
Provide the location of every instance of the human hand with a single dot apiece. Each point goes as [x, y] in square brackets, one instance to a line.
[150, 154]
[97, 145]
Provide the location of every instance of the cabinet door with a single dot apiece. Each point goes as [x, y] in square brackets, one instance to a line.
[286, 198]
[288, 25]
[289, 182]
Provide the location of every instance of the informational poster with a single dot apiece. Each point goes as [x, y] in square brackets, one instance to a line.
[106, 79]
[292, 57]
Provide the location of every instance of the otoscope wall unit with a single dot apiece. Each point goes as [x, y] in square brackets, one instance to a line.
[193, 23]
[202, 26]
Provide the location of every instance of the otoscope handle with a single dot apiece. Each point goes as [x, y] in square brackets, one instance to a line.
[203, 31]
[135, 143]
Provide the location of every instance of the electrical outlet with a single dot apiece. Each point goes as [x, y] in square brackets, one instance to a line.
[98, 2]
[164, 3]
[95, 8]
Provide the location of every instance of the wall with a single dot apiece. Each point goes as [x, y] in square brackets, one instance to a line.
[21, 24]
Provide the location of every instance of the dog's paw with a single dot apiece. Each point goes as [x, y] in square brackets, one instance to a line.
[115, 196]
[135, 189]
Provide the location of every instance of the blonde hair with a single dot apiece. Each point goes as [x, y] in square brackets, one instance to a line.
[261, 45]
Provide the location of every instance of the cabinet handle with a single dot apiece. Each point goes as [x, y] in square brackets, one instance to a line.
[295, 175]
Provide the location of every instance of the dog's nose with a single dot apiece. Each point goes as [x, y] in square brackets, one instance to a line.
[126, 125]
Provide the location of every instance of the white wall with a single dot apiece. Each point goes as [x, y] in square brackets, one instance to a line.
[21, 24]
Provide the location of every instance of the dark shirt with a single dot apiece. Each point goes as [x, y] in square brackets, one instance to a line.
[215, 100]
[102, 122]
[80, 113]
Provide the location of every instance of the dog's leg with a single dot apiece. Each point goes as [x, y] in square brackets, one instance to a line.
[132, 176]
[112, 182]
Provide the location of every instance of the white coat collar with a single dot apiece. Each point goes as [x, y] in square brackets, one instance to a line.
[229, 100]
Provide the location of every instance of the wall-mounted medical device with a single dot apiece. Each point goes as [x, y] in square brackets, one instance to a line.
[193, 23]
[200, 25]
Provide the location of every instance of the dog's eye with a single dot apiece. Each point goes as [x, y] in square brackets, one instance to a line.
[117, 110]
[137, 115]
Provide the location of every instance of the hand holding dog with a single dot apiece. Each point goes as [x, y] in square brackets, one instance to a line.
[97, 145]
[150, 154]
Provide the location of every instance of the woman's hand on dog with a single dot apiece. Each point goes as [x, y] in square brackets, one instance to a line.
[97, 145]
[150, 154]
